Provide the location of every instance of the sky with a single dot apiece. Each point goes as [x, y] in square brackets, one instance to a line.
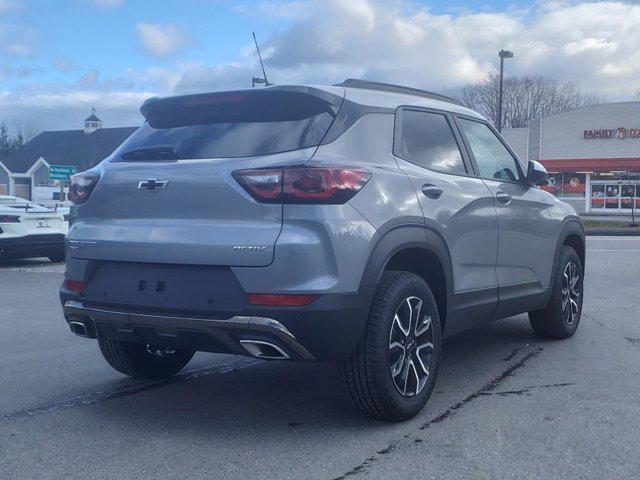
[60, 58]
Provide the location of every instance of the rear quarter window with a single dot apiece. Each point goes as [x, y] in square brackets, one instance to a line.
[428, 141]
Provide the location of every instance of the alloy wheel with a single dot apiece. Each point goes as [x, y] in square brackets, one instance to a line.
[570, 293]
[410, 347]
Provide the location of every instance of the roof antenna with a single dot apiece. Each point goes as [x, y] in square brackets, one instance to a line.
[257, 80]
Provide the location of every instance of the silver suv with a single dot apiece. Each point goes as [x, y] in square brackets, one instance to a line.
[360, 222]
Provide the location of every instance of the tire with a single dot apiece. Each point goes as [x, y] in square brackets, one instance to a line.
[57, 258]
[135, 360]
[367, 376]
[559, 320]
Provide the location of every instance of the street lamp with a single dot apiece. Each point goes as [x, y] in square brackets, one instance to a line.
[502, 54]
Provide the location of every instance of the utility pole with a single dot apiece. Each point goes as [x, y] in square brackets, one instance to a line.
[502, 54]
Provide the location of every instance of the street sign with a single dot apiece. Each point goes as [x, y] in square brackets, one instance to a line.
[61, 172]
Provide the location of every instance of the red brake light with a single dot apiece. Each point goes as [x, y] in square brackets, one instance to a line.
[322, 185]
[9, 219]
[74, 286]
[318, 185]
[281, 300]
[81, 186]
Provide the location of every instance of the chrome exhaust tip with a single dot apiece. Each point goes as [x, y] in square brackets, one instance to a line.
[82, 326]
[264, 349]
[79, 329]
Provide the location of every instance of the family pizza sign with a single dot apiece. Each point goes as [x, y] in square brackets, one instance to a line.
[609, 133]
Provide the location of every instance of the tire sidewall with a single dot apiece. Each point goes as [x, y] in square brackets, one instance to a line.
[405, 407]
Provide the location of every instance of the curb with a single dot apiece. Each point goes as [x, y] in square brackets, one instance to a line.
[612, 232]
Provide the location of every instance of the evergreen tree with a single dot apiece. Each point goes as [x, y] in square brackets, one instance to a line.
[5, 142]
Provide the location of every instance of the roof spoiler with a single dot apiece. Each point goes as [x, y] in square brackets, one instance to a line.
[389, 87]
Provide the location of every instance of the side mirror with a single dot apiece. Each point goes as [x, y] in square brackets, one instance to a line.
[537, 174]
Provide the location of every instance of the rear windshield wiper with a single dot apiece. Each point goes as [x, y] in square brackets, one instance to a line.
[152, 152]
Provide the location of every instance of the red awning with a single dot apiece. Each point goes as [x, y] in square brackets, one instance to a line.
[592, 164]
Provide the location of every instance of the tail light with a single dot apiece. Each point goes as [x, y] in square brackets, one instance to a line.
[81, 186]
[74, 286]
[9, 219]
[318, 185]
[281, 300]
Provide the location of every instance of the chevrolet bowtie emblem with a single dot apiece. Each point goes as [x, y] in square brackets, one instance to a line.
[152, 184]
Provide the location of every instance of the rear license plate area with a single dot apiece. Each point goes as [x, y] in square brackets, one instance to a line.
[173, 287]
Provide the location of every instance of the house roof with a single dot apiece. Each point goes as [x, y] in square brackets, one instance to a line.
[68, 147]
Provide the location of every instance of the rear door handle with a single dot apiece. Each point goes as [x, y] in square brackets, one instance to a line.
[431, 191]
[503, 197]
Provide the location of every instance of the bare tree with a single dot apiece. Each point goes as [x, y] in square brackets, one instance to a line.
[637, 95]
[27, 129]
[524, 98]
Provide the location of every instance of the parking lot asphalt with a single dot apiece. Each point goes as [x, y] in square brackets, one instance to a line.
[506, 405]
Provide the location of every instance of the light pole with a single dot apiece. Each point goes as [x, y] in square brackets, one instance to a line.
[502, 54]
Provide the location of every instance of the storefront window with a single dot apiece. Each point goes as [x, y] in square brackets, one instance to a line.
[615, 191]
[566, 184]
[597, 196]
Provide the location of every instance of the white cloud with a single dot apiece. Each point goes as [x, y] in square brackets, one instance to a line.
[18, 49]
[64, 65]
[595, 44]
[17, 40]
[161, 40]
[19, 71]
[66, 109]
[90, 78]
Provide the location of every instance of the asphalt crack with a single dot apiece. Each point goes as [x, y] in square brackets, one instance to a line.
[488, 388]
[528, 389]
[512, 355]
[127, 390]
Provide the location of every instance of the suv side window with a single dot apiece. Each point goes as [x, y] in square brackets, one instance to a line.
[493, 159]
[428, 141]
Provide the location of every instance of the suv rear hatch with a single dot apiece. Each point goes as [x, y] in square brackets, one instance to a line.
[167, 195]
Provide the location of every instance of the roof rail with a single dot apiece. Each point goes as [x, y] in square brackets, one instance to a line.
[389, 87]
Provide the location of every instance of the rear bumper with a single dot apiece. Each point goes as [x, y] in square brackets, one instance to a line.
[32, 246]
[181, 331]
[328, 329]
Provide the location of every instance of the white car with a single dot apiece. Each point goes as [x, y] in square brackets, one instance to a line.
[30, 230]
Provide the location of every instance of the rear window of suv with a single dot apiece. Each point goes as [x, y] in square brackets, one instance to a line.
[230, 124]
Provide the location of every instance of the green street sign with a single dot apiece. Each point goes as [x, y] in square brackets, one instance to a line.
[61, 172]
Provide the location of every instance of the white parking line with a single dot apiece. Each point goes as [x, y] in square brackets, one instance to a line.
[610, 250]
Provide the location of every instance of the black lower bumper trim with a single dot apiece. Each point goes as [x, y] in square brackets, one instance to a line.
[328, 329]
[204, 334]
